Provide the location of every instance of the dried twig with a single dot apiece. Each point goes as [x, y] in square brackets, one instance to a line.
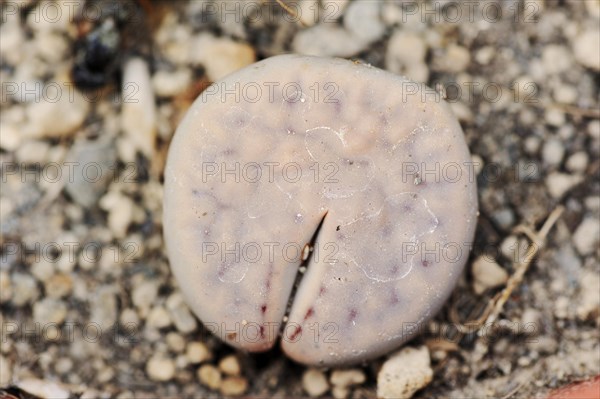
[581, 112]
[291, 11]
[538, 241]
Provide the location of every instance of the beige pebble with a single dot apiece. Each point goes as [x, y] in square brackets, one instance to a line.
[404, 373]
[5, 371]
[63, 365]
[577, 162]
[120, 210]
[158, 317]
[10, 139]
[182, 318]
[44, 388]
[24, 289]
[234, 386]
[314, 382]
[346, 378]
[561, 307]
[169, 84]
[49, 311]
[230, 365]
[144, 294]
[587, 48]
[138, 113]
[197, 352]
[210, 376]
[42, 270]
[456, 59]
[220, 56]
[32, 151]
[487, 274]
[588, 304]
[554, 116]
[5, 286]
[587, 236]
[340, 392]
[42, 114]
[176, 342]
[560, 183]
[59, 285]
[160, 368]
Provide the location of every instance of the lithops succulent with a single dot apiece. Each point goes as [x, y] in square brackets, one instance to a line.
[360, 176]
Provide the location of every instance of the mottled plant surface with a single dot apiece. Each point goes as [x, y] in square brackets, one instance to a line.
[339, 173]
[524, 85]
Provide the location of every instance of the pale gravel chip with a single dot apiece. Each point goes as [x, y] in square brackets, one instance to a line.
[314, 382]
[404, 373]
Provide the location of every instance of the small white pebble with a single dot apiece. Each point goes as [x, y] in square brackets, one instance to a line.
[553, 152]
[176, 342]
[42, 270]
[210, 376]
[44, 388]
[340, 392]
[220, 56]
[485, 54]
[230, 365]
[561, 307]
[362, 20]
[129, 318]
[42, 114]
[233, 386]
[160, 368]
[456, 59]
[347, 378]
[593, 203]
[198, 352]
[32, 151]
[5, 286]
[158, 317]
[180, 313]
[5, 371]
[314, 382]
[565, 94]
[404, 373]
[588, 304]
[58, 285]
[532, 321]
[326, 40]
[63, 365]
[554, 116]
[487, 274]
[587, 236]
[593, 129]
[144, 294]
[404, 48]
[169, 84]
[559, 183]
[509, 247]
[556, 58]
[48, 311]
[532, 144]
[120, 212]
[577, 162]
[138, 113]
[587, 48]
[10, 139]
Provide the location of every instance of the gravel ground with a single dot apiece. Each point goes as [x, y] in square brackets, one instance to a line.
[88, 303]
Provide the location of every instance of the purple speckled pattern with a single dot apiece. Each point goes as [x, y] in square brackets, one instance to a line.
[266, 154]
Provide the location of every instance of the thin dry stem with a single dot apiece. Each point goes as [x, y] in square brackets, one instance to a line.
[291, 11]
[538, 241]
